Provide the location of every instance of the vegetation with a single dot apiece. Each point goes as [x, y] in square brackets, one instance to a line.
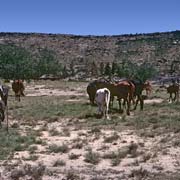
[68, 55]
[18, 63]
[14, 142]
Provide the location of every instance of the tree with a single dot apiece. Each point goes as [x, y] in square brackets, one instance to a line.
[145, 71]
[14, 62]
[94, 70]
[114, 68]
[47, 63]
[101, 68]
[72, 68]
[107, 70]
[17, 63]
[64, 72]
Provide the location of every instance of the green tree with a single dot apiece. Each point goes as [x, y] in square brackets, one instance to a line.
[47, 63]
[101, 68]
[94, 70]
[17, 63]
[107, 70]
[114, 68]
[64, 72]
[14, 62]
[145, 71]
[72, 68]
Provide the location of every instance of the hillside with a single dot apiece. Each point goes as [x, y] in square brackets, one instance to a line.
[162, 50]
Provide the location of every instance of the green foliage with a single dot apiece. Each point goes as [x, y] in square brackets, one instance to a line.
[101, 68]
[47, 63]
[17, 63]
[131, 70]
[114, 68]
[126, 69]
[13, 142]
[14, 62]
[107, 70]
[144, 72]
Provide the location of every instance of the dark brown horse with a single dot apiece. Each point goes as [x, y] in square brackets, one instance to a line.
[94, 86]
[18, 88]
[173, 89]
[139, 87]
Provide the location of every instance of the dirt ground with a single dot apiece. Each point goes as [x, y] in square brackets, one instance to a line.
[93, 153]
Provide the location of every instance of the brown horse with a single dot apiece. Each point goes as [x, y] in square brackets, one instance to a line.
[148, 88]
[124, 90]
[173, 89]
[18, 88]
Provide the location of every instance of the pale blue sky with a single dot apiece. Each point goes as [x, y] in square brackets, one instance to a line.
[89, 17]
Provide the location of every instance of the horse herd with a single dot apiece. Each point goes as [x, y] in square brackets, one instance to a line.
[102, 93]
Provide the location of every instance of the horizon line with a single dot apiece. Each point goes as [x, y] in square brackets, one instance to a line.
[123, 34]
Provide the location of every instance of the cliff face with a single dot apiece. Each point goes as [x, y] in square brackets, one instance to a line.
[162, 50]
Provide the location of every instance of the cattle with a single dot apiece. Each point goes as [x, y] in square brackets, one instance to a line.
[18, 88]
[102, 99]
[173, 89]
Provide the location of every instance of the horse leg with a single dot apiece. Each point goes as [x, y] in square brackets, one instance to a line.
[136, 103]
[170, 97]
[177, 96]
[141, 103]
[120, 109]
[99, 108]
[174, 96]
[128, 107]
[111, 101]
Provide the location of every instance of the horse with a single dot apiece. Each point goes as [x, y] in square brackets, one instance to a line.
[94, 86]
[102, 99]
[148, 88]
[139, 87]
[131, 91]
[123, 90]
[18, 88]
[173, 89]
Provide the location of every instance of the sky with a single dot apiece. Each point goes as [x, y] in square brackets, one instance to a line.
[89, 17]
